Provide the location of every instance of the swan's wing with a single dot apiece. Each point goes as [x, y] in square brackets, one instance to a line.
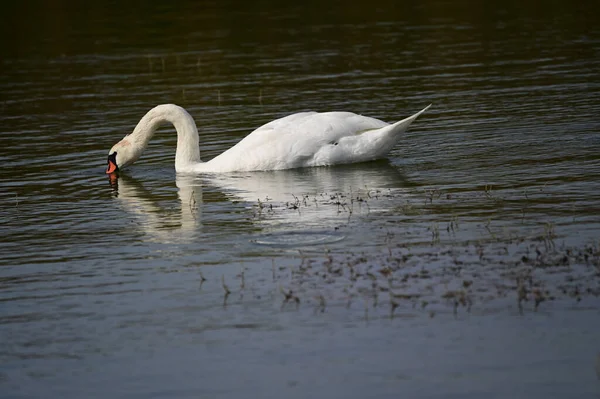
[286, 121]
[308, 131]
[293, 140]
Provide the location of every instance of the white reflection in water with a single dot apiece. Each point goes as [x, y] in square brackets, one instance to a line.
[297, 199]
[285, 185]
[155, 220]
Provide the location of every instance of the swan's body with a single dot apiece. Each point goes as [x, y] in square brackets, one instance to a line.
[299, 140]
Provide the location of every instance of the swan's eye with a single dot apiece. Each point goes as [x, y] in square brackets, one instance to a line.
[112, 163]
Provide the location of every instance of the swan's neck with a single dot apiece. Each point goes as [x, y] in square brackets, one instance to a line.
[188, 150]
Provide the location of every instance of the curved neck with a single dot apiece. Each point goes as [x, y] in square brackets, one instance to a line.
[188, 150]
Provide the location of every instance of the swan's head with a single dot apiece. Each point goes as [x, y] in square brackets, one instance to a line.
[122, 154]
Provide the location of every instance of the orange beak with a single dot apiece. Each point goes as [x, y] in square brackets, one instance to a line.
[112, 163]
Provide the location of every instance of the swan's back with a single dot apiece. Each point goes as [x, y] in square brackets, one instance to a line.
[294, 141]
[339, 122]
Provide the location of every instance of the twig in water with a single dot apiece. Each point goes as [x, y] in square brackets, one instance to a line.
[488, 191]
[521, 294]
[302, 257]
[393, 307]
[288, 296]
[487, 227]
[243, 283]
[538, 297]
[549, 236]
[225, 287]
[321, 306]
[435, 233]
[192, 204]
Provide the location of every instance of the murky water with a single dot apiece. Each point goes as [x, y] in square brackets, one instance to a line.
[466, 265]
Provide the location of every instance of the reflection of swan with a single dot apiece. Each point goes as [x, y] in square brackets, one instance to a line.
[274, 187]
[298, 140]
[313, 198]
[162, 224]
[284, 185]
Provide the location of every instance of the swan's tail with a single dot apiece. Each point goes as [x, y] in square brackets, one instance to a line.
[382, 140]
[401, 126]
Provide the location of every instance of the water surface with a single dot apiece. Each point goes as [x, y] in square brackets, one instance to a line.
[401, 276]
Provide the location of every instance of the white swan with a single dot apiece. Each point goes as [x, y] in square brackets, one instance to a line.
[298, 140]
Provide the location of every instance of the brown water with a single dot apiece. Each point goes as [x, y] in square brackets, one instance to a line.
[403, 273]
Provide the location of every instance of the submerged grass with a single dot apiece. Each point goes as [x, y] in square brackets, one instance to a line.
[484, 263]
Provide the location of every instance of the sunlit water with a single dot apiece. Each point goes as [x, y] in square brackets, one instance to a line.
[398, 277]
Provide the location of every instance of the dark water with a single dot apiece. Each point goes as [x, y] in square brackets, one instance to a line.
[399, 277]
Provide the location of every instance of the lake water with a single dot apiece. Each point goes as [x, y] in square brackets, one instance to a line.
[465, 265]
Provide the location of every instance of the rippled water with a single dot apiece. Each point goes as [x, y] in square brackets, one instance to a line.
[400, 276]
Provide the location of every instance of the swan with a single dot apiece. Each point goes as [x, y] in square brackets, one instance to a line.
[299, 140]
